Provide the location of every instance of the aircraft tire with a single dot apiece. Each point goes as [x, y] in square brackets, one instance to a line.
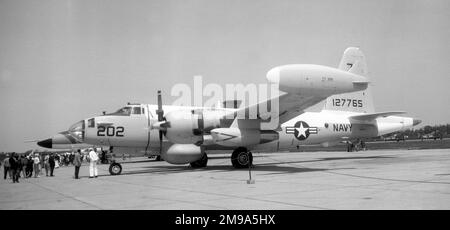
[241, 158]
[201, 163]
[115, 169]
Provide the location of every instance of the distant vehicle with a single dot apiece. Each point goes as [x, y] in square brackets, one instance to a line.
[396, 137]
[400, 137]
[389, 138]
[433, 136]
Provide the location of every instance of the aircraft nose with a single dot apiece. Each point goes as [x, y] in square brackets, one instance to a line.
[47, 143]
[63, 138]
[416, 121]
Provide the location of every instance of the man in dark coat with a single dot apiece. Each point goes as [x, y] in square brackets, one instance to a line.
[14, 164]
[77, 163]
[51, 161]
[30, 166]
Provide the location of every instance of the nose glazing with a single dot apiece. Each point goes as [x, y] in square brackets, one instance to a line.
[77, 131]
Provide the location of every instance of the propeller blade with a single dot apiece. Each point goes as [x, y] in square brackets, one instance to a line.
[160, 142]
[161, 125]
[160, 111]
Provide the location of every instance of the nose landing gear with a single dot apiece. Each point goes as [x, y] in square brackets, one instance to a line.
[115, 169]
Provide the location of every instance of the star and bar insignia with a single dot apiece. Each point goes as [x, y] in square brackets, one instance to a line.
[301, 130]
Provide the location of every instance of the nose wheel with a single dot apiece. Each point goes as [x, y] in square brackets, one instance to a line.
[115, 169]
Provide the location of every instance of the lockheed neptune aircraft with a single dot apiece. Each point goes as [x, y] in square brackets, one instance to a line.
[182, 135]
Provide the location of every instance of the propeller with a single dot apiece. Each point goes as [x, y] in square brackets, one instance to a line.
[160, 113]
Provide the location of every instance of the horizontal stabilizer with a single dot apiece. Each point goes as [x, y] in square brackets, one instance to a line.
[361, 85]
[373, 116]
[360, 82]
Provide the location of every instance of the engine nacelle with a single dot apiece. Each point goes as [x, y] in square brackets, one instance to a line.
[189, 126]
[234, 137]
[182, 154]
[315, 80]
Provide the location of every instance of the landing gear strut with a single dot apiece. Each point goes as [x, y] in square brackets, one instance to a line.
[115, 168]
[201, 163]
[241, 158]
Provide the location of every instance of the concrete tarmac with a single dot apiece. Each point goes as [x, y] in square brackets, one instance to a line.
[379, 179]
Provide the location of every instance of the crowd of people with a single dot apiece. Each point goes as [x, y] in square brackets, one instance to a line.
[17, 166]
[358, 145]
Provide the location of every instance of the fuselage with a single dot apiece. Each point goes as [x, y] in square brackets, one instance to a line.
[134, 129]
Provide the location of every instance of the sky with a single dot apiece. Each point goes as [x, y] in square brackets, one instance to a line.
[63, 61]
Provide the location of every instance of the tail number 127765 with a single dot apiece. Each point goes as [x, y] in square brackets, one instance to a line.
[344, 102]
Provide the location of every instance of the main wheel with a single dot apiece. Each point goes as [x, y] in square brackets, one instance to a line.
[241, 158]
[115, 169]
[201, 163]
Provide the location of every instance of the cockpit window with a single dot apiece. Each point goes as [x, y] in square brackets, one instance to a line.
[77, 130]
[125, 111]
[136, 110]
[91, 123]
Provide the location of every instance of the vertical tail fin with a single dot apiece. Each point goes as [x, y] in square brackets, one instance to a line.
[353, 61]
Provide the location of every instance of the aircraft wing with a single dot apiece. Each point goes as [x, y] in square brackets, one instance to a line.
[289, 106]
[292, 105]
[372, 116]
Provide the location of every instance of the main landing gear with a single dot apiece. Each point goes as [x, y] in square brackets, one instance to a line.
[241, 158]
